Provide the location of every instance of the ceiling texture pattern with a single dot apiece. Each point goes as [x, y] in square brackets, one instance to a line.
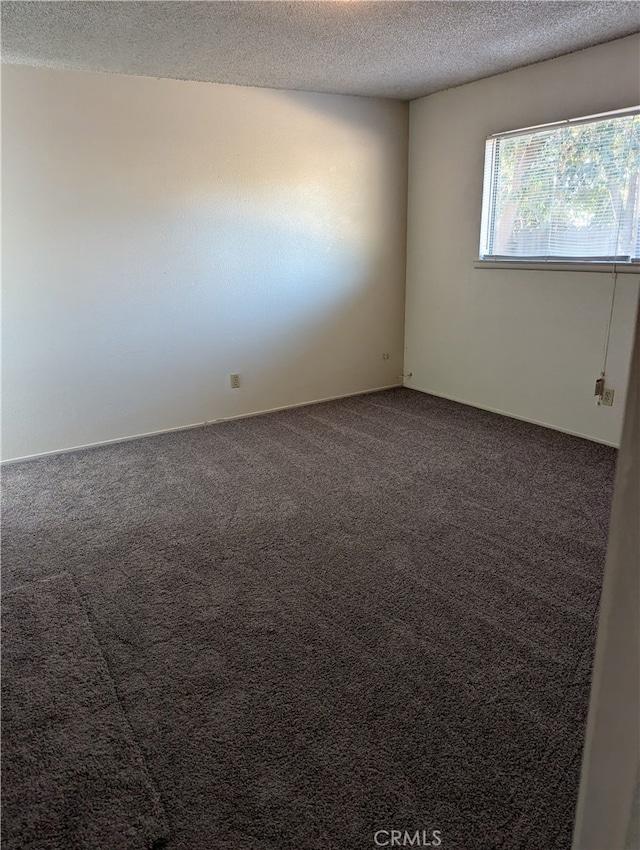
[390, 49]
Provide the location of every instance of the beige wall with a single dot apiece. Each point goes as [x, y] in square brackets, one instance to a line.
[526, 343]
[160, 235]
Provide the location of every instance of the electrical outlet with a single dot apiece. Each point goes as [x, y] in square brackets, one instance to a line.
[607, 397]
[234, 380]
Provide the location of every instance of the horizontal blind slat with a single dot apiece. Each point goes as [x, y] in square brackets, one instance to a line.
[571, 191]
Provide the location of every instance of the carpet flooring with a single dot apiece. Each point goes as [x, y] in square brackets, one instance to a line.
[371, 614]
[72, 775]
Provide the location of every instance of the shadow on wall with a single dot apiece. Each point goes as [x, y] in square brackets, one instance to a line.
[185, 232]
[272, 295]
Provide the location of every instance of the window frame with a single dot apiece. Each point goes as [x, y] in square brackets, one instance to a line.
[533, 263]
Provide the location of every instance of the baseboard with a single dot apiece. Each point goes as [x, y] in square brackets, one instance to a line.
[24, 458]
[514, 416]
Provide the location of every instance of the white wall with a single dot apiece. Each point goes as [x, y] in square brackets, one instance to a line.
[607, 813]
[526, 343]
[160, 235]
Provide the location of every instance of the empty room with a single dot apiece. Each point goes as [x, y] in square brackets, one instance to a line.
[320, 425]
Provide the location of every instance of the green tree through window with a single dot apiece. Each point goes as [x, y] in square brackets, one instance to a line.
[570, 191]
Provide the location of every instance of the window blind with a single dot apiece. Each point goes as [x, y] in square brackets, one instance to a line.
[564, 192]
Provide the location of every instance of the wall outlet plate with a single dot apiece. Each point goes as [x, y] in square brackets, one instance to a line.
[607, 397]
[234, 380]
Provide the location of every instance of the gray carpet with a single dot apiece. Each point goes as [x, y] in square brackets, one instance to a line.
[72, 775]
[369, 614]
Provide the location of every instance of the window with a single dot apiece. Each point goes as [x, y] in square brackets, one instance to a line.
[565, 192]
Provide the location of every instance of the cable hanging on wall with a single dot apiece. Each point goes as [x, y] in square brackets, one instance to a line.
[600, 383]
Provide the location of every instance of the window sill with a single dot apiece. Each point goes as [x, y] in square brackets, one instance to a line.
[528, 265]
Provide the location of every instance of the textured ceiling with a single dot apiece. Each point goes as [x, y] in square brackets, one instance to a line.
[389, 49]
